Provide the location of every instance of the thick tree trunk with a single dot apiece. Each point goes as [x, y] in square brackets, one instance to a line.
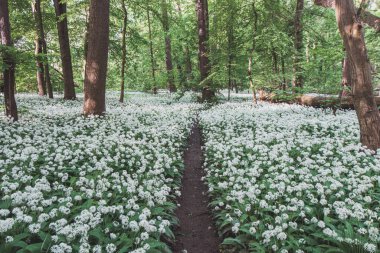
[124, 53]
[9, 64]
[298, 45]
[41, 50]
[168, 47]
[352, 33]
[152, 61]
[64, 45]
[204, 62]
[97, 58]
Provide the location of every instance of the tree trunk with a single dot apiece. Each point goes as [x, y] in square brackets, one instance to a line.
[252, 50]
[204, 62]
[97, 58]
[168, 47]
[9, 63]
[85, 43]
[38, 52]
[124, 53]
[152, 61]
[283, 86]
[64, 45]
[351, 31]
[43, 74]
[298, 36]
[346, 77]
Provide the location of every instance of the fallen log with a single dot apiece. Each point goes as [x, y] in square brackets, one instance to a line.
[313, 100]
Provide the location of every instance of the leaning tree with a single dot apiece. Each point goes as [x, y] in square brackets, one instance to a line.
[350, 23]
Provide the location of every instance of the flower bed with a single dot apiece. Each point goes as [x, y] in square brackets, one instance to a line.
[75, 184]
[286, 178]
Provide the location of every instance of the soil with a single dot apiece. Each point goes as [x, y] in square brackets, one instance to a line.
[196, 232]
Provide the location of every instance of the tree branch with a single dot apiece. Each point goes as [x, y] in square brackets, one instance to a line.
[367, 17]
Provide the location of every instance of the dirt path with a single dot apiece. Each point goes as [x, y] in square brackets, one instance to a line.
[197, 233]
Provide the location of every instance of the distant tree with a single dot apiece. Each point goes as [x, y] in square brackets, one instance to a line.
[9, 63]
[64, 45]
[168, 46]
[124, 51]
[43, 72]
[97, 58]
[298, 45]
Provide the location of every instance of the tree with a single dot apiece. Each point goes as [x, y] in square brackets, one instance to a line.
[9, 63]
[204, 62]
[352, 32]
[124, 51]
[252, 50]
[97, 58]
[43, 73]
[168, 46]
[152, 60]
[298, 45]
[64, 45]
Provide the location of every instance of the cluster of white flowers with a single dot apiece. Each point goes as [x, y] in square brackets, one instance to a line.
[289, 178]
[75, 184]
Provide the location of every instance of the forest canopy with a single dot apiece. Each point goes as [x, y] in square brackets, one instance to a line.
[235, 27]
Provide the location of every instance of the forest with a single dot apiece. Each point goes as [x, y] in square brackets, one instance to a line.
[189, 126]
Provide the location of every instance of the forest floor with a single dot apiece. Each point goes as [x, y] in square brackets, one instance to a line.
[196, 232]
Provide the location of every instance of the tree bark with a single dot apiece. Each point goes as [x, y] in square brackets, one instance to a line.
[97, 58]
[64, 45]
[9, 63]
[367, 111]
[124, 51]
[204, 62]
[152, 61]
[298, 45]
[168, 47]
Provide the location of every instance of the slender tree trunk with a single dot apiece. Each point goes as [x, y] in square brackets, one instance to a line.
[187, 56]
[41, 50]
[346, 77]
[97, 58]
[64, 45]
[252, 50]
[351, 31]
[124, 53]
[298, 45]
[38, 52]
[283, 73]
[9, 63]
[85, 43]
[152, 61]
[204, 62]
[168, 46]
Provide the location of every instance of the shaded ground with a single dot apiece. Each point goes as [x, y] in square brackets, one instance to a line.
[197, 233]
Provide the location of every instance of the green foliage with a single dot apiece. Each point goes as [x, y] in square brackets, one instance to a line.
[233, 34]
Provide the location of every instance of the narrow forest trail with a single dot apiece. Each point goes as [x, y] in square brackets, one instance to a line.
[196, 232]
